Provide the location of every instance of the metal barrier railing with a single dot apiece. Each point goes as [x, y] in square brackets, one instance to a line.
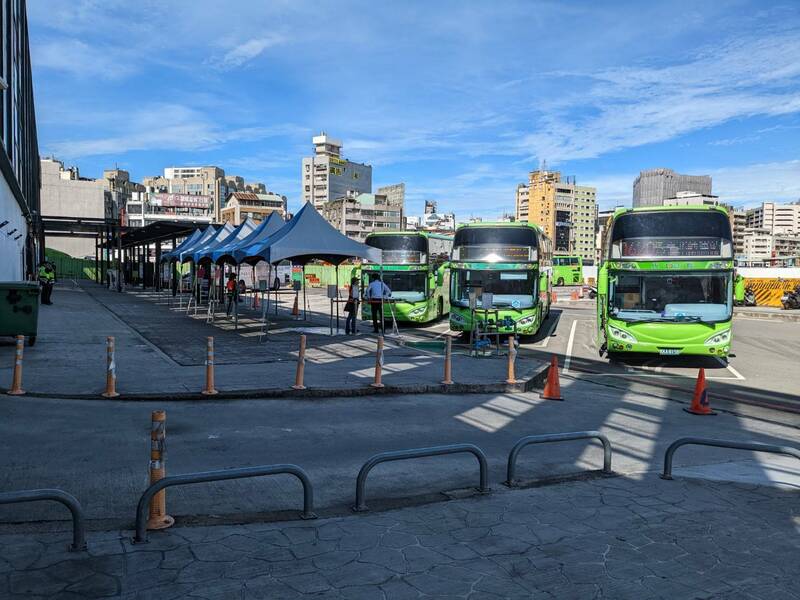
[383, 457]
[207, 476]
[68, 500]
[754, 446]
[556, 437]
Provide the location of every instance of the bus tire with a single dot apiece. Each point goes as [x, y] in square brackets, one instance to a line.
[560, 281]
[439, 309]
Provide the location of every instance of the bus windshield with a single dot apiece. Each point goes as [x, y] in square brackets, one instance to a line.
[400, 249]
[509, 288]
[671, 297]
[409, 286]
[495, 244]
[671, 234]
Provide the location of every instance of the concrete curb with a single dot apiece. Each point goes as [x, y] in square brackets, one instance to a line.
[535, 381]
[786, 315]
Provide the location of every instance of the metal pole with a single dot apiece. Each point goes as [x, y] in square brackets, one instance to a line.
[68, 500]
[305, 304]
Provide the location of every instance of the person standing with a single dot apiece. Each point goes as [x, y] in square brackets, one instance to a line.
[377, 292]
[351, 307]
[230, 293]
[47, 278]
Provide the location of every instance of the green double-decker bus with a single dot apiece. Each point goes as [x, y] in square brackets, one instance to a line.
[567, 270]
[511, 261]
[665, 285]
[415, 267]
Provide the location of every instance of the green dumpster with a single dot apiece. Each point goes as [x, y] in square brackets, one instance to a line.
[19, 309]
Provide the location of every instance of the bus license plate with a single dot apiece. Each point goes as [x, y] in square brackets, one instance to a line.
[669, 351]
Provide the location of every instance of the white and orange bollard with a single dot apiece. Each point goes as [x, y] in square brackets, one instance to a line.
[111, 370]
[209, 390]
[16, 378]
[301, 366]
[448, 361]
[159, 519]
[377, 383]
[512, 357]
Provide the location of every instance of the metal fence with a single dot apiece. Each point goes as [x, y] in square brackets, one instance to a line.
[207, 476]
[556, 437]
[361, 481]
[754, 446]
[68, 500]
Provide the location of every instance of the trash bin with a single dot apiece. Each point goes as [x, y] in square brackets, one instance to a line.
[19, 309]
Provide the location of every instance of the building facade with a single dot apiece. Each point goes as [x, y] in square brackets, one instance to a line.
[775, 218]
[21, 238]
[739, 228]
[327, 176]
[567, 212]
[64, 193]
[653, 186]
[145, 208]
[201, 181]
[243, 205]
[357, 216]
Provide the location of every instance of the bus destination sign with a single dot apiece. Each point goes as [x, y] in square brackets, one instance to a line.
[668, 247]
[402, 257]
[495, 253]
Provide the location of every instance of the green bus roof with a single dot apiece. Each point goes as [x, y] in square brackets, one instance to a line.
[427, 234]
[533, 226]
[696, 208]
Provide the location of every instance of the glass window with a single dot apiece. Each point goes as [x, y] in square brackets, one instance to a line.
[410, 286]
[515, 289]
[671, 297]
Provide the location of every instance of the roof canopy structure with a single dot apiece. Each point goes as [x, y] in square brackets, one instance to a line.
[215, 240]
[307, 237]
[185, 244]
[234, 253]
[184, 253]
[234, 237]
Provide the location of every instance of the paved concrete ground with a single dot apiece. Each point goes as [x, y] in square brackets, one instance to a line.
[162, 350]
[99, 451]
[603, 538]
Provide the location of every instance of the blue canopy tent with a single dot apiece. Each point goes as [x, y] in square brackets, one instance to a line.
[197, 252]
[309, 237]
[185, 254]
[236, 252]
[237, 235]
[189, 241]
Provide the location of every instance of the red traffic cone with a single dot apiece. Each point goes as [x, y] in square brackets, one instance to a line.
[552, 388]
[700, 404]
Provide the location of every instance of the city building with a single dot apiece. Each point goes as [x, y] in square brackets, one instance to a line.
[651, 187]
[145, 208]
[775, 218]
[242, 205]
[208, 181]
[566, 211]
[739, 227]
[64, 193]
[326, 176]
[757, 244]
[692, 199]
[357, 216]
[21, 234]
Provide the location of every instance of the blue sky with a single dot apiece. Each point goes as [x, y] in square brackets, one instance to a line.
[459, 100]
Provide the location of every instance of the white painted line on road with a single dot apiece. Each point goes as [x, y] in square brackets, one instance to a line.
[571, 341]
[736, 373]
[656, 375]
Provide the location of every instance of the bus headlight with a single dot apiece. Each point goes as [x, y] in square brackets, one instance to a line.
[526, 321]
[723, 337]
[417, 312]
[457, 318]
[619, 334]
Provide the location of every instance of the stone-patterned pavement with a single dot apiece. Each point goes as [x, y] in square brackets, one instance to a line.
[597, 538]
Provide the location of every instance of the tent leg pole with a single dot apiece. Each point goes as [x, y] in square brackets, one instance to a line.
[337, 299]
[305, 305]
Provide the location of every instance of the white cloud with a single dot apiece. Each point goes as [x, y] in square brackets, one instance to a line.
[753, 184]
[81, 60]
[243, 53]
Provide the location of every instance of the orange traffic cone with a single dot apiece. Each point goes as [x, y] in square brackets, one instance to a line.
[553, 298]
[295, 308]
[573, 295]
[700, 404]
[552, 389]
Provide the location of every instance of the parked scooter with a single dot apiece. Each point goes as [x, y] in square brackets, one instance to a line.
[749, 296]
[791, 300]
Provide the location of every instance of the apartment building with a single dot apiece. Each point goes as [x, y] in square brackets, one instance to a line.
[566, 211]
[651, 187]
[775, 218]
[243, 205]
[21, 237]
[208, 181]
[357, 216]
[739, 227]
[326, 176]
[145, 208]
[757, 244]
